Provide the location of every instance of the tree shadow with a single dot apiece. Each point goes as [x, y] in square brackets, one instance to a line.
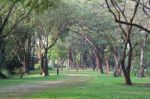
[141, 84]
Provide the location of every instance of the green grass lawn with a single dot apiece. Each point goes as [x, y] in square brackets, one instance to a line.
[86, 85]
[32, 77]
[97, 87]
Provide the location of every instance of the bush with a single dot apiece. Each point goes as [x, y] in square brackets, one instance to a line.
[5, 72]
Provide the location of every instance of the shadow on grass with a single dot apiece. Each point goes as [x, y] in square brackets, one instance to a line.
[142, 84]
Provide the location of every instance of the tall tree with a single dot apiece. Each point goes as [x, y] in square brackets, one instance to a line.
[119, 15]
[49, 29]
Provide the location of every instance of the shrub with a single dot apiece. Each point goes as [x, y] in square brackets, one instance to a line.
[5, 72]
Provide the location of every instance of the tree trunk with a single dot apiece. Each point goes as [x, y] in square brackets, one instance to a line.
[32, 64]
[77, 66]
[42, 64]
[142, 67]
[25, 68]
[98, 64]
[29, 51]
[71, 62]
[107, 66]
[126, 74]
[126, 69]
[84, 60]
[27, 62]
[61, 63]
[46, 64]
[57, 69]
[141, 72]
[2, 50]
[117, 71]
[93, 61]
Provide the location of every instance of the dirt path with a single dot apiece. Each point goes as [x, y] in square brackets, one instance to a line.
[17, 91]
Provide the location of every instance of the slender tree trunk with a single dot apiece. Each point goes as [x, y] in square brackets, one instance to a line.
[71, 62]
[57, 69]
[126, 69]
[27, 61]
[32, 58]
[93, 61]
[107, 65]
[126, 74]
[24, 67]
[98, 64]
[141, 72]
[2, 49]
[142, 67]
[84, 59]
[46, 73]
[62, 63]
[25, 64]
[42, 64]
[77, 67]
[117, 71]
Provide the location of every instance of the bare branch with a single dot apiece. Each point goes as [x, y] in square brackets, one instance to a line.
[7, 17]
[133, 24]
[18, 20]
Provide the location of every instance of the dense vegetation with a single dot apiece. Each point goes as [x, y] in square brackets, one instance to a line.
[109, 36]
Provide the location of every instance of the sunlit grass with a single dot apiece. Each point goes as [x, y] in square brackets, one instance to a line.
[98, 87]
[34, 76]
[84, 84]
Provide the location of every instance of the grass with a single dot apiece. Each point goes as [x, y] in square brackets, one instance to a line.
[33, 77]
[86, 85]
[98, 87]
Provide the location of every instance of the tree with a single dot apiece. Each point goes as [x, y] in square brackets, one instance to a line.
[140, 5]
[142, 47]
[22, 34]
[13, 12]
[93, 31]
[119, 14]
[49, 29]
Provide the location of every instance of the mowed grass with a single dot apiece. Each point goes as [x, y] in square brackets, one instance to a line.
[96, 87]
[84, 84]
[31, 78]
